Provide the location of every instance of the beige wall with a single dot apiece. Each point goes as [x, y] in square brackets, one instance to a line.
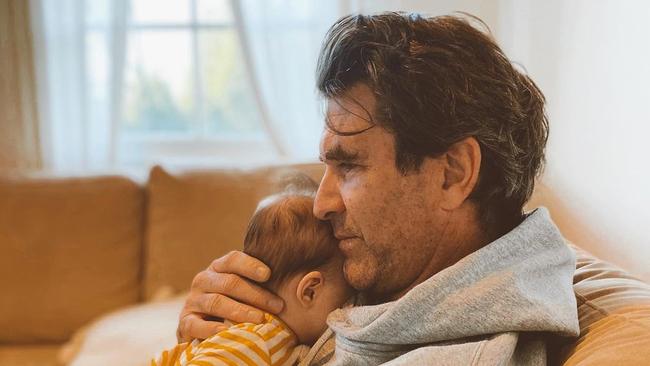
[591, 61]
[487, 10]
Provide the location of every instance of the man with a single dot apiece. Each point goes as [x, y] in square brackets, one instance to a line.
[432, 144]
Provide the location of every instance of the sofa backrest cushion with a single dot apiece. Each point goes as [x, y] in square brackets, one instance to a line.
[70, 250]
[196, 217]
[614, 316]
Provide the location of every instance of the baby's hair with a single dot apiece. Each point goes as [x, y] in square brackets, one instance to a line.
[285, 235]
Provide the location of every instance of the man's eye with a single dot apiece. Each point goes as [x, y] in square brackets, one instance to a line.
[346, 167]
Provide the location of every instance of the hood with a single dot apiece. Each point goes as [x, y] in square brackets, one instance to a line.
[521, 282]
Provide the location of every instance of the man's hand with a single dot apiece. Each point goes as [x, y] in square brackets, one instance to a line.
[223, 290]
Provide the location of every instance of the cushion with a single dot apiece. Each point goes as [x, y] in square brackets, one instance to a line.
[614, 315]
[130, 336]
[30, 355]
[71, 250]
[196, 217]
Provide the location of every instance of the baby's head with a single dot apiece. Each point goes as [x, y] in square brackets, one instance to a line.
[305, 262]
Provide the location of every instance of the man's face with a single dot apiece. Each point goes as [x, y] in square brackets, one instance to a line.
[388, 223]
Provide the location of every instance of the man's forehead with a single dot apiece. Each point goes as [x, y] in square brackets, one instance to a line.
[352, 111]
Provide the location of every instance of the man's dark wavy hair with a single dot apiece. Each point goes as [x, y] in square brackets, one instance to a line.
[438, 80]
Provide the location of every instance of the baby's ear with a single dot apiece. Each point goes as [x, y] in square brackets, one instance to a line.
[309, 288]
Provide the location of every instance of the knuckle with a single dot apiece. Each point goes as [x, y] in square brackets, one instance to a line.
[230, 258]
[215, 303]
[198, 280]
[238, 311]
[229, 283]
[184, 328]
[241, 310]
[192, 304]
[215, 263]
[259, 298]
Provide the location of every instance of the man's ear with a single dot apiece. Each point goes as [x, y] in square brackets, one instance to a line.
[309, 288]
[462, 163]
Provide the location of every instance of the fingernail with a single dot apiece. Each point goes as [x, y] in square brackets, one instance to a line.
[261, 271]
[276, 305]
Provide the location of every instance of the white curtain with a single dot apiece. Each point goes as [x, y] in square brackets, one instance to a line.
[281, 40]
[19, 141]
[79, 105]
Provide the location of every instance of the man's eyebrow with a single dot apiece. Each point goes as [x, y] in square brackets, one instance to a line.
[338, 153]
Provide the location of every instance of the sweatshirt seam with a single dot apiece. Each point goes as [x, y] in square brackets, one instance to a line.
[478, 353]
[360, 352]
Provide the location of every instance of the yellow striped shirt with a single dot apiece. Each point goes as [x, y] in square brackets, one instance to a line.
[271, 343]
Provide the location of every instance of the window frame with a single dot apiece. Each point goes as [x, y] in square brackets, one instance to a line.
[204, 144]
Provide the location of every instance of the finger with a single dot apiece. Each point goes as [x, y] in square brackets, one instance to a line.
[192, 326]
[239, 289]
[242, 264]
[224, 307]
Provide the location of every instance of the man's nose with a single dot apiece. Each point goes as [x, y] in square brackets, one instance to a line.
[328, 201]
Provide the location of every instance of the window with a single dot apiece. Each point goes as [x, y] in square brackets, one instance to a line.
[185, 92]
[130, 83]
[200, 88]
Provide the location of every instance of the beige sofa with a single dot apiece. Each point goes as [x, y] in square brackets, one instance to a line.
[93, 269]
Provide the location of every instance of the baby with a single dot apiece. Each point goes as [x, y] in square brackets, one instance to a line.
[306, 272]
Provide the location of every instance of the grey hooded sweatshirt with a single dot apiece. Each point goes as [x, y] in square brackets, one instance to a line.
[490, 308]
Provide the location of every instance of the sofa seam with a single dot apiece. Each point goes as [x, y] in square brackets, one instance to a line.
[592, 305]
[629, 321]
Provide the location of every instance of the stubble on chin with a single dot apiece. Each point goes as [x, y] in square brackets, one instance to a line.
[362, 273]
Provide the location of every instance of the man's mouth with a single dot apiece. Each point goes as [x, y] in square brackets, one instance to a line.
[343, 236]
[346, 244]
